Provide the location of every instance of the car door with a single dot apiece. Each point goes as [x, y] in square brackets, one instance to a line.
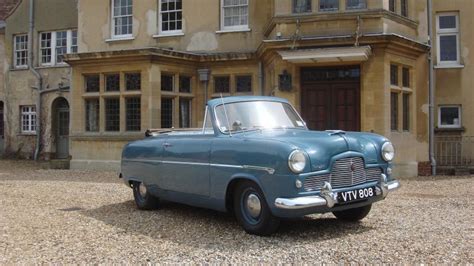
[185, 164]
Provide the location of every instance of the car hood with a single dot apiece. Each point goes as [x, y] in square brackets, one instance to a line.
[321, 146]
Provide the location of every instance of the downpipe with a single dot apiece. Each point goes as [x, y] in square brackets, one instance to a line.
[38, 76]
[431, 87]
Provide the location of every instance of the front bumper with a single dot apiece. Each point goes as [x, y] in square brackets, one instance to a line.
[328, 198]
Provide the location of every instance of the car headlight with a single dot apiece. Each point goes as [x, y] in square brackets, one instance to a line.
[297, 161]
[388, 152]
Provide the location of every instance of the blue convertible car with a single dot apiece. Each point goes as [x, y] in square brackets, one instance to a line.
[255, 156]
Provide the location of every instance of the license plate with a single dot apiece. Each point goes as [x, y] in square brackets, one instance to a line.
[355, 195]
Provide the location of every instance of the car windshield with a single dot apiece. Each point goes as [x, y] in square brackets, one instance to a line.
[243, 116]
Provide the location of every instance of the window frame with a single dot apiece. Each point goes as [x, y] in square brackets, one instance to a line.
[112, 22]
[448, 32]
[404, 10]
[236, 77]
[406, 111]
[229, 77]
[356, 8]
[31, 127]
[329, 9]
[234, 28]
[189, 100]
[87, 118]
[396, 109]
[293, 7]
[15, 51]
[172, 122]
[459, 107]
[395, 78]
[390, 4]
[85, 76]
[129, 123]
[107, 118]
[53, 47]
[160, 20]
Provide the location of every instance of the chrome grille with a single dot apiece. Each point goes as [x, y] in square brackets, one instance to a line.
[373, 174]
[342, 175]
[315, 182]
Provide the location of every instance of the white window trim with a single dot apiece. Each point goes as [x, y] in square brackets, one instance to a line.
[444, 32]
[15, 51]
[30, 115]
[165, 33]
[449, 126]
[234, 28]
[53, 47]
[112, 26]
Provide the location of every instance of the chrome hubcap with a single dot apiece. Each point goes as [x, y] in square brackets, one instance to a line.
[142, 190]
[253, 205]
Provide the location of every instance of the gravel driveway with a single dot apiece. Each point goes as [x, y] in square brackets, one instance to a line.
[89, 217]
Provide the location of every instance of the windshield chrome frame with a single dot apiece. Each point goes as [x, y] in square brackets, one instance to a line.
[241, 131]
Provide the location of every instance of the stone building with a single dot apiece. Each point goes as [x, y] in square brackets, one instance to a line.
[453, 43]
[5, 7]
[347, 64]
[37, 79]
[132, 65]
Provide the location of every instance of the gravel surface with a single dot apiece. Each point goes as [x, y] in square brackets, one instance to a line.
[65, 216]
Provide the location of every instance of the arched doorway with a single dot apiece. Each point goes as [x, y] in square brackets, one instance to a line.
[2, 129]
[61, 127]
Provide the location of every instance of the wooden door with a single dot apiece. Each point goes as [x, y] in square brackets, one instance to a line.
[330, 98]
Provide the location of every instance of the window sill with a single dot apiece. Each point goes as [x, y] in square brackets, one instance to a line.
[448, 66]
[136, 92]
[25, 134]
[164, 35]
[450, 129]
[233, 30]
[53, 66]
[90, 94]
[19, 68]
[119, 39]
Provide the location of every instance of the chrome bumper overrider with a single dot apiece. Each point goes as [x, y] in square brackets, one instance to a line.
[329, 198]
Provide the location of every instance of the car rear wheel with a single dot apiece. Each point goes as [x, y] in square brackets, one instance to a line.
[143, 199]
[252, 211]
[353, 215]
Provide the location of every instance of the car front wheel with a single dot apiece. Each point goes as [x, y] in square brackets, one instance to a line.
[353, 215]
[143, 199]
[252, 211]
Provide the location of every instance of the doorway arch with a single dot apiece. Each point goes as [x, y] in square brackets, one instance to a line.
[60, 127]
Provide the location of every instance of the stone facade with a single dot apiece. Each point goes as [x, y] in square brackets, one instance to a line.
[454, 81]
[151, 59]
[254, 50]
[21, 84]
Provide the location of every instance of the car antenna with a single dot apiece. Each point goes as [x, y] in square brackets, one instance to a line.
[226, 117]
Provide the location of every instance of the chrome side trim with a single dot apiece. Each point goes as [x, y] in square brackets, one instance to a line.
[184, 163]
[249, 167]
[259, 168]
[141, 160]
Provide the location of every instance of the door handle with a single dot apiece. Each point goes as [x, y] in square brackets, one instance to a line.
[166, 145]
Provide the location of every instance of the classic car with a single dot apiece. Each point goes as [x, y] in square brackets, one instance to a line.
[255, 157]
